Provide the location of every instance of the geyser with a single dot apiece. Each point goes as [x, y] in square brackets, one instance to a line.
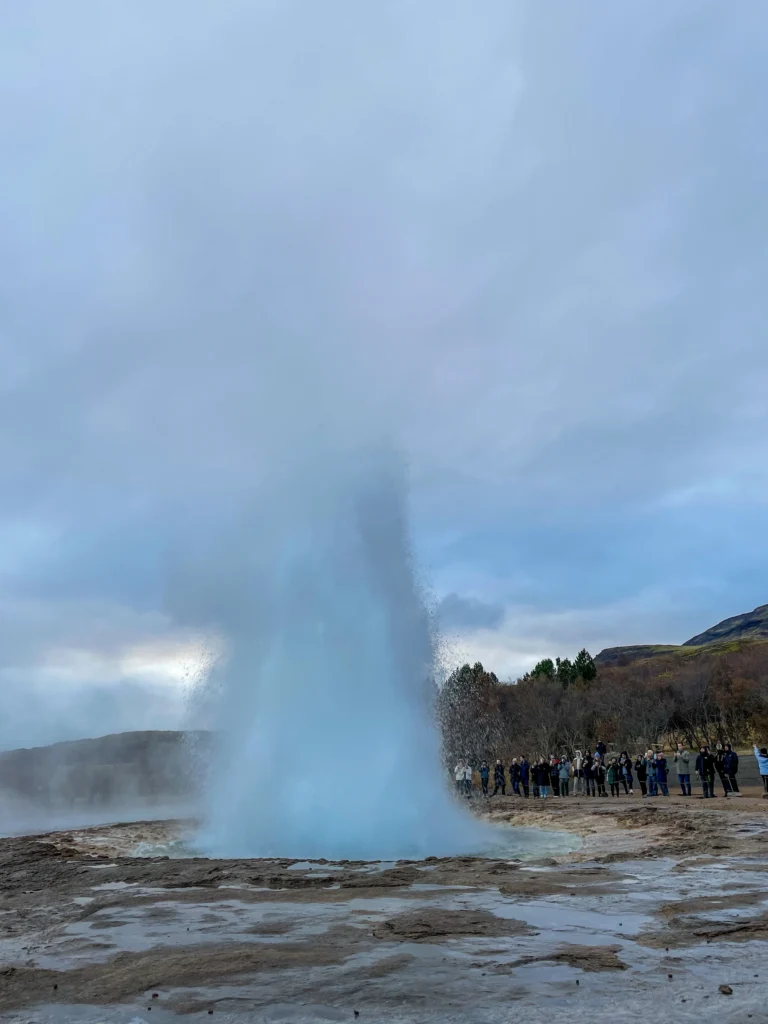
[323, 699]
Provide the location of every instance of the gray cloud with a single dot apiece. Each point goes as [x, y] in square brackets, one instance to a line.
[529, 245]
[467, 613]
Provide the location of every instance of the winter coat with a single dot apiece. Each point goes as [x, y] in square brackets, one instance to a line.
[705, 765]
[641, 769]
[498, 775]
[601, 748]
[541, 774]
[650, 768]
[484, 772]
[731, 763]
[661, 768]
[514, 773]
[458, 773]
[625, 770]
[525, 771]
[720, 762]
[587, 767]
[683, 762]
[598, 772]
[565, 770]
[613, 774]
[762, 761]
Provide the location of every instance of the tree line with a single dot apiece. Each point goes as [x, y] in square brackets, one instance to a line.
[566, 705]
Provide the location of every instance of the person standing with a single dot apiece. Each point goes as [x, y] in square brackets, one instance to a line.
[458, 774]
[650, 768]
[761, 753]
[499, 779]
[661, 773]
[578, 773]
[468, 779]
[720, 768]
[525, 775]
[731, 763]
[565, 774]
[614, 776]
[514, 776]
[544, 777]
[485, 773]
[705, 769]
[589, 774]
[642, 774]
[554, 775]
[599, 772]
[625, 771]
[600, 750]
[683, 765]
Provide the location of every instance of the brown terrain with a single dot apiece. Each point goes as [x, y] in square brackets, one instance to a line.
[664, 902]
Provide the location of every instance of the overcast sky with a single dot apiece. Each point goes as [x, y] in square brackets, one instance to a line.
[526, 239]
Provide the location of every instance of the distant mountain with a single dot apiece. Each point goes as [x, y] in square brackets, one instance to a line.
[146, 767]
[738, 631]
[751, 625]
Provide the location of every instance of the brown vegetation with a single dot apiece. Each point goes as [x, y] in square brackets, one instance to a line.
[718, 695]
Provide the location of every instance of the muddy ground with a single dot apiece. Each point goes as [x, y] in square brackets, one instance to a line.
[663, 903]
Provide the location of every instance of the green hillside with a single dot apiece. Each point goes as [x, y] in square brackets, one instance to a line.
[733, 634]
[751, 625]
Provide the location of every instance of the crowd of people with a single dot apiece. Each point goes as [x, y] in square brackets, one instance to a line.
[593, 774]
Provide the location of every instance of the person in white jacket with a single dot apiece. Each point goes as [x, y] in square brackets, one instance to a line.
[459, 774]
[578, 774]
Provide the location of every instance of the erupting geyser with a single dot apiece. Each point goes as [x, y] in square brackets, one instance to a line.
[323, 699]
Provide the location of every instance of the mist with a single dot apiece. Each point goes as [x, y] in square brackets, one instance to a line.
[508, 259]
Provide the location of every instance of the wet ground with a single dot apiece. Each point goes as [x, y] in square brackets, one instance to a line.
[662, 903]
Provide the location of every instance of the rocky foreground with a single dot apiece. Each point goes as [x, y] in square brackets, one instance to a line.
[663, 911]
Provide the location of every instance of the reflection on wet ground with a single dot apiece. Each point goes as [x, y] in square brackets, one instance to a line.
[658, 930]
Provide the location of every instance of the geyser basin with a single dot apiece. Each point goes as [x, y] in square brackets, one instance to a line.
[499, 842]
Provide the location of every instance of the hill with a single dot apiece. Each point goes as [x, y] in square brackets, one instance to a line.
[729, 635]
[147, 767]
[751, 625]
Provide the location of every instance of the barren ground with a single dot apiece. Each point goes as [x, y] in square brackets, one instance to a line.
[665, 901]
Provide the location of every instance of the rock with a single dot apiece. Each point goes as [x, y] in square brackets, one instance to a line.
[726, 990]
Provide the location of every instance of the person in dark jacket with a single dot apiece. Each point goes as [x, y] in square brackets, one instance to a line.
[598, 770]
[705, 769]
[731, 765]
[642, 774]
[554, 775]
[499, 779]
[601, 750]
[720, 768]
[541, 778]
[661, 773]
[484, 774]
[514, 776]
[614, 776]
[525, 775]
[625, 772]
[589, 775]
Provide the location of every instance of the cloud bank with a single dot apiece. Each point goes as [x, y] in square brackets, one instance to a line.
[529, 245]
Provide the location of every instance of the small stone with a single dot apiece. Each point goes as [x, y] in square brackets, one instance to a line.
[725, 990]
[670, 977]
[155, 995]
[55, 986]
[210, 1013]
[357, 1013]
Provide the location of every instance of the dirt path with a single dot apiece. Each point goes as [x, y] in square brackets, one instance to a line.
[664, 902]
